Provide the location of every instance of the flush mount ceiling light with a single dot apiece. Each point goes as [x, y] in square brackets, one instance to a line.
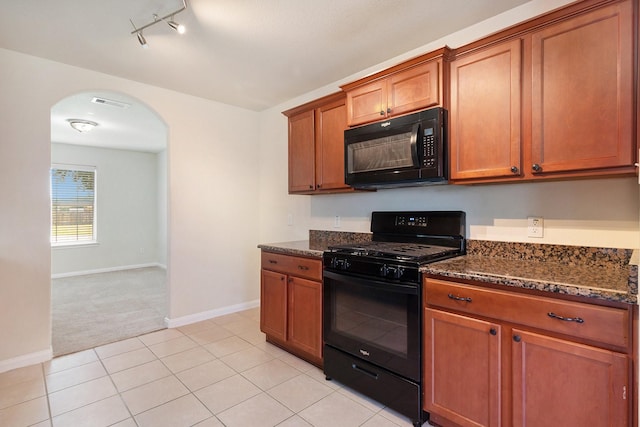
[173, 24]
[82, 126]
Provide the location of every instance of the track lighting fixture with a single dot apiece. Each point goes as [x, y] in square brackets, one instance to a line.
[142, 40]
[173, 24]
[178, 27]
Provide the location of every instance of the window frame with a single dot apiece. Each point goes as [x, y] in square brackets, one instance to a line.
[73, 168]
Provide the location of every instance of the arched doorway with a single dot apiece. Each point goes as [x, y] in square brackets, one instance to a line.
[109, 222]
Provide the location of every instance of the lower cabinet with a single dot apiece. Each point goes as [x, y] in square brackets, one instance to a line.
[559, 382]
[501, 358]
[291, 304]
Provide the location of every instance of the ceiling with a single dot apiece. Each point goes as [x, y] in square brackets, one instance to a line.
[253, 54]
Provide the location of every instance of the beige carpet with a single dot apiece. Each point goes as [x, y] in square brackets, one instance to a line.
[97, 309]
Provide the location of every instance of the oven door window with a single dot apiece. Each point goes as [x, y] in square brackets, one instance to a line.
[377, 321]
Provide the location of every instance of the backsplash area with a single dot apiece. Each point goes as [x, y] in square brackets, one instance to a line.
[321, 239]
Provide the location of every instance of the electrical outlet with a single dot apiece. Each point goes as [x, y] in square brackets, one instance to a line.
[336, 221]
[535, 226]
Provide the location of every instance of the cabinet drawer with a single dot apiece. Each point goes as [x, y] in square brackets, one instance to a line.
[296, 266]
[601, 324]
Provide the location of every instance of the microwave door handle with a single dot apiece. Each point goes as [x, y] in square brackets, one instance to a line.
[415, 132]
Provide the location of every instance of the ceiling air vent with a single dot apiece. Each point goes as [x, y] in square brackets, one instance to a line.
[105, 101]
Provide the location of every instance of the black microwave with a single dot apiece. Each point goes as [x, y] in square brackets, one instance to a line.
[404, 151]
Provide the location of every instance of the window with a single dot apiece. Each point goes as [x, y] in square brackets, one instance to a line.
[73, 201]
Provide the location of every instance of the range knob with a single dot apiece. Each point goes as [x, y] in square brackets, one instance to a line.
[392, 272]
[340, 264]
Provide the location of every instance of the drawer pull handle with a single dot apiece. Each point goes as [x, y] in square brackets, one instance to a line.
[364, 371]
[465, 299]
[566, 319]
[303, 267]
[273, 261]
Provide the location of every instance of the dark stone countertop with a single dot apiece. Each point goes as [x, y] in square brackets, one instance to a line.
[319, 241]
[601, 273]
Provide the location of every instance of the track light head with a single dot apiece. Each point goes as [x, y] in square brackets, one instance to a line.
[142, 40]
[178, 27]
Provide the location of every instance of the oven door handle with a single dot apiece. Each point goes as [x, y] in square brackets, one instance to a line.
[374, 283]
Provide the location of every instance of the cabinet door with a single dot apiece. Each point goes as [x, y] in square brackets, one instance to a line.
[301, 152]
[305, 315]
[331, 121]
[485, 116]
[561, 383]
[273, 304]
[582, 92]
[414, 89]
[367, 103]
[461, 369]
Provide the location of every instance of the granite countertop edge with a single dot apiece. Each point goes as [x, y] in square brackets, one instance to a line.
[610, 274]
[624, 292]
[297, 247]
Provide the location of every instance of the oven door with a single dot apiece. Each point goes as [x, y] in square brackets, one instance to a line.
[374, 320]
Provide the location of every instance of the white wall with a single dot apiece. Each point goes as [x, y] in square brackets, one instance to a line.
[601, 212]
[127, 210]
[212, 263]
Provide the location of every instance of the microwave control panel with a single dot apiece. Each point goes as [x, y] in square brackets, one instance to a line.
[429, 154]
[428, 149]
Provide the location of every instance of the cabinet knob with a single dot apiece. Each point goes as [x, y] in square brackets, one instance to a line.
[514, 169]
[493, 331]
[382, 112]
[310, 187]
[517, 338]
[318, 186]
[536, 167]
[388, 110]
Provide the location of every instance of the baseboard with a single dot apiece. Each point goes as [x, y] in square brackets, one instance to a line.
[107, 270]
[210, 314]
[26, 360]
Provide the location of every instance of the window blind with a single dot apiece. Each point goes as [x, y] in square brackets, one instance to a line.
[73, 205]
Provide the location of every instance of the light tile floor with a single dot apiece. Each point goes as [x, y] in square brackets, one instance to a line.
[219, 372]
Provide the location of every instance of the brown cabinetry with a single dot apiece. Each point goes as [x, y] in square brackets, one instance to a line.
[550, 98]
[291, 304]
[410, 86]
[485, 116]
[504, 358]
[316, 146]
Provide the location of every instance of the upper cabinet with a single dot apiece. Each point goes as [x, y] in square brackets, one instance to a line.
[410, 86]
[316, 146]
[550, 98]
[582, 92]
[485, 115]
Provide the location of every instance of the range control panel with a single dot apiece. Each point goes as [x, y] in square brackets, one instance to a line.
[415, 221]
